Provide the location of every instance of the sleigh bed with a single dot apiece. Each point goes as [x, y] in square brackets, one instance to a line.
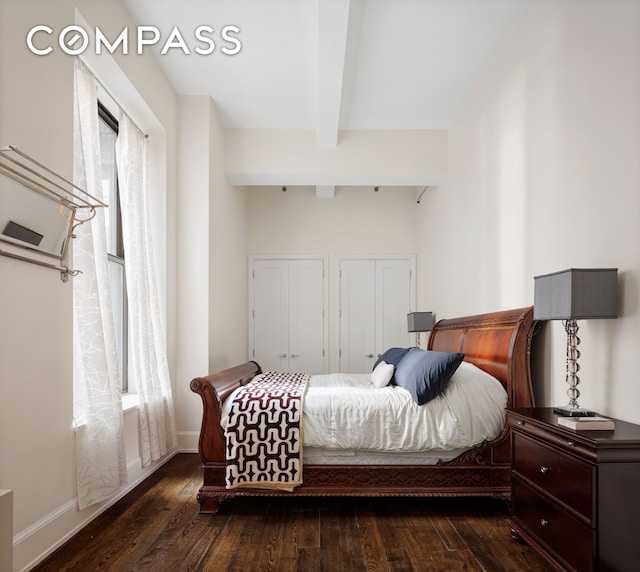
[498, 343]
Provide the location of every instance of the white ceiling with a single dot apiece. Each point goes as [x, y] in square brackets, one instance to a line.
[333, 64]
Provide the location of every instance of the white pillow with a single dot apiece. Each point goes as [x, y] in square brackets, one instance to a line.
[382, 374]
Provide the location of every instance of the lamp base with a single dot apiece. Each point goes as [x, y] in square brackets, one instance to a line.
[567, 411]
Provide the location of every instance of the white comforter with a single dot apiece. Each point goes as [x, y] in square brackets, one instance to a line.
[346, 411]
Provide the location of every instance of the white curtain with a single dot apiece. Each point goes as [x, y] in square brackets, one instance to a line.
[147, 357]
[100, 453]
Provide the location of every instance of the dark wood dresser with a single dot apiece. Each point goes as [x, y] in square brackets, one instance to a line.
[576, 494]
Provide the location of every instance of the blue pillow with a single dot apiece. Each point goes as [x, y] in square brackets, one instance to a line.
[392, 356]
[425, 374]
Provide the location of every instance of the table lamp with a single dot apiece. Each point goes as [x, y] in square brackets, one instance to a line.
[420, 322]
[572, 295]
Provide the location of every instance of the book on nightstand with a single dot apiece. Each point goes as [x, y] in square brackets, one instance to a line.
[587, 423]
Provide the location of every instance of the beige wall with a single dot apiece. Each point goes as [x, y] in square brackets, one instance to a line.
[544, 176]
[227, 261]
[35, 329]
[193, 255]
[357, 220]
[292, 157]
[37, 459]
[212, 269]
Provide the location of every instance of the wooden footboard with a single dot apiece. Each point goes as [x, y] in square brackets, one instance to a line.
[499, 343]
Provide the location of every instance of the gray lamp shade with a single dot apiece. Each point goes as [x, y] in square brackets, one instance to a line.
[420, 321]
[576, 294]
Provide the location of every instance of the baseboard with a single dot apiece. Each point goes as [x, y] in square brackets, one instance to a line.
[35, 543]
[188, 441]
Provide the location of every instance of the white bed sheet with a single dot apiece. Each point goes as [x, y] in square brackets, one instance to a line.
[346, 412]
[324, 456]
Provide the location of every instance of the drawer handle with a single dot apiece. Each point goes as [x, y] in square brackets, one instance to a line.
[544, 522]
[520, 422]
[571, 444]
[544, 470]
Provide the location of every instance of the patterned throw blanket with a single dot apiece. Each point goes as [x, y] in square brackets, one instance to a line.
[264, 433]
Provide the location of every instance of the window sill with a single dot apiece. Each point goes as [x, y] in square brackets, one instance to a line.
[130, 402]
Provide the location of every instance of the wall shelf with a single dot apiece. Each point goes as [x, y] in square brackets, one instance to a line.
[39, 211]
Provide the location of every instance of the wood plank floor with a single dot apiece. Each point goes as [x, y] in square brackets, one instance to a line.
[157, 528]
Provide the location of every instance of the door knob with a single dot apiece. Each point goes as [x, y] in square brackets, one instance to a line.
[369, 355]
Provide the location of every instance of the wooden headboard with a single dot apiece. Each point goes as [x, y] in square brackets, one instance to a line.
[498, 342]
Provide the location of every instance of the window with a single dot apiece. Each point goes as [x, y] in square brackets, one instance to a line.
[115, 249]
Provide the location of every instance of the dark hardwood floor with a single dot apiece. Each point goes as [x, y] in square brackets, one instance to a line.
[157, 527]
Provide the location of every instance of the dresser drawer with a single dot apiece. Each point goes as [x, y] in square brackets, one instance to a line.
[565, 537]
[570, 480]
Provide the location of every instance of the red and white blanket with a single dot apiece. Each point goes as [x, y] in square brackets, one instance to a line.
[264, 432]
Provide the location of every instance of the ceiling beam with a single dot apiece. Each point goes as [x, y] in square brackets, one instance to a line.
[325, 191]
[335, 179]
[413, 158]
[333, 31]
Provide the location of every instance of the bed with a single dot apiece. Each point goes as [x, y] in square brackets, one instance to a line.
[499, 343]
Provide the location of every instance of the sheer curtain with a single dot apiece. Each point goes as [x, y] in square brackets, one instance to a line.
[100, 453]
[147, 357]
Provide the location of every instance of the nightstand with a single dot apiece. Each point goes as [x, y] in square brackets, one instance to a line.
[576, 495]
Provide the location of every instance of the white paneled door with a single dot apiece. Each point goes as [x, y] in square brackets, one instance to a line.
[288, 314]
[376, 294]
[357, 315]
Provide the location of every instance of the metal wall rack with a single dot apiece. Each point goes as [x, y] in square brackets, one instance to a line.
[23, 176]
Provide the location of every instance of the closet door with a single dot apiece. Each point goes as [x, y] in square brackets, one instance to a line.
[357, 315]
[270, 314]
[306, 316]
[288, 318]
[376, 294]
[393, 303]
